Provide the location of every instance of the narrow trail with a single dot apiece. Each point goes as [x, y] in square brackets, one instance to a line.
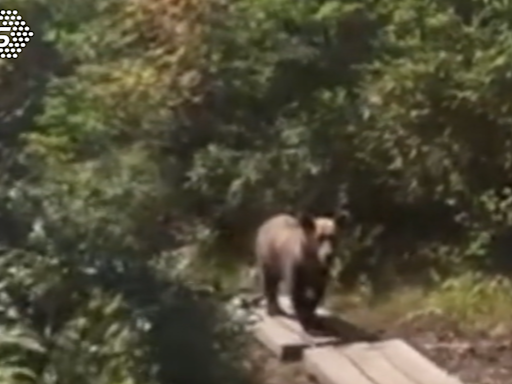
[475, 358]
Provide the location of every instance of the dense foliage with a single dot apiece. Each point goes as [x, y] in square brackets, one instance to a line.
[131, 128]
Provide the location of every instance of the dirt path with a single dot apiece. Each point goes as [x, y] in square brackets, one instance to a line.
[476, 358]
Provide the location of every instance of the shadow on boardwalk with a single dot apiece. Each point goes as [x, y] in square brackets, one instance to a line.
[348, 332]
[333, 330]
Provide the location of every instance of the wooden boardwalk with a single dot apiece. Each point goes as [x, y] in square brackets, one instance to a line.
[360, 359]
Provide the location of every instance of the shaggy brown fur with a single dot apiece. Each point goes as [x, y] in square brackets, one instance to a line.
[298, 252]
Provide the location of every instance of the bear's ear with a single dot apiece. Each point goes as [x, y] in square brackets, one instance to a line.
[163, 219]
[341, 218]
[306, 221]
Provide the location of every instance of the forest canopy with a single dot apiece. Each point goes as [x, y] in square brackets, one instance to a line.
[131, 129]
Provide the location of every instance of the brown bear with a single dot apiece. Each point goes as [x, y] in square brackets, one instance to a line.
[299, 252]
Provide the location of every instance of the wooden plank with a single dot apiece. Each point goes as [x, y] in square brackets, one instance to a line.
[293, 325]
[413, 364]
[331, 367]
[311, 340]
[338, 329]
[286, 304]
[284, 343]
[374, 364]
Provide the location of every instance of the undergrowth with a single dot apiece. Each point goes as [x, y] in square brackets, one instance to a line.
[472, 301]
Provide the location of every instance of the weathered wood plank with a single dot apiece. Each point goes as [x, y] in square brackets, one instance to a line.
[293, 325]
[311, 340]
[385, 362]
[338, 330]
[374, 364]
[286, 304]
[282, 342]
[414, 364]
[331, 367]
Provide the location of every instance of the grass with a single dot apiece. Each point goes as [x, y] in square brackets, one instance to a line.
[473, 301]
